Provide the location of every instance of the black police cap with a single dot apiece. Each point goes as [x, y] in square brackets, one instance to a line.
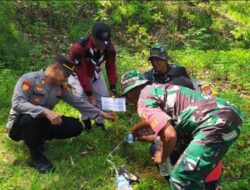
[66, 64]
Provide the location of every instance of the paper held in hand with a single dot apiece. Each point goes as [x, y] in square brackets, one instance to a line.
[113, 104]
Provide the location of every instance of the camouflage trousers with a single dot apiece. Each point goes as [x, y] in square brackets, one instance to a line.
[201, 156]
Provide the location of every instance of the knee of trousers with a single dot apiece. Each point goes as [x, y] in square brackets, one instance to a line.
[17, 130]
[78, 128]
[25, 119]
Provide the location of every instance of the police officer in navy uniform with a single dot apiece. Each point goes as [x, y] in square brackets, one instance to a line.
[32, 118]
[89, 54]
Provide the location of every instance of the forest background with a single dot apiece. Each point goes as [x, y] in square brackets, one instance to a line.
[210, 38]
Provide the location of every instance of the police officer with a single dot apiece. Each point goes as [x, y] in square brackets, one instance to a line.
[208, 124]
[31, 117]
[88, 54]
[162, 72]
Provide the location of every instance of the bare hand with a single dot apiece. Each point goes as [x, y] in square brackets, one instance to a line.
[142, 128]
[53, 117]
[149, 138]
[92, 100]
[106, 115]
[159, 150]
[158, 157]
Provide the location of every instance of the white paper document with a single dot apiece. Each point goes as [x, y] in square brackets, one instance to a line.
[113, 104]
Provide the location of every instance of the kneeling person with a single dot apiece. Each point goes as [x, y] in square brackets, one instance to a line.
[207, 125]
[31, 117]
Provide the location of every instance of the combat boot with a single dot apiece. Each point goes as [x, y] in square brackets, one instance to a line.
[39, 161]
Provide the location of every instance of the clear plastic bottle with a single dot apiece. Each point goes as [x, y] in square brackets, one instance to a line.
[165, 168]
[122, 183]
[130, 139]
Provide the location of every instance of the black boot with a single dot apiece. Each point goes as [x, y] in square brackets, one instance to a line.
[39, 161]
[87, 125]
[44, 147]
[100, 125]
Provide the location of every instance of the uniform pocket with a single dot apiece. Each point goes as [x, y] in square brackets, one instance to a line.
[187, 163]
[190, 163]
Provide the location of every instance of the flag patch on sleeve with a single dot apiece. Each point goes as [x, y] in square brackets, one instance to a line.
[26, 85]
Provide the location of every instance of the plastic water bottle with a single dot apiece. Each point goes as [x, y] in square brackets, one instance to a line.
[130, 139]
[122, 183]
[165, 168]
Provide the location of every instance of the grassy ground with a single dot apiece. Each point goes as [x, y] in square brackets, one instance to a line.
[92, 171]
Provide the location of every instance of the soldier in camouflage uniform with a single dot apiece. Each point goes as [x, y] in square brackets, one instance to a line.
[208, 124]
[162, 72]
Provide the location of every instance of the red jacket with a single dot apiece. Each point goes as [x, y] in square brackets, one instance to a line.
[80, 54]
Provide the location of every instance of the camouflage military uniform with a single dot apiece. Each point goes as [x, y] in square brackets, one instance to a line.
[209, 125]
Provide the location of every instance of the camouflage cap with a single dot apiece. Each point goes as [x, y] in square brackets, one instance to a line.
[132, 79]
[158, 51]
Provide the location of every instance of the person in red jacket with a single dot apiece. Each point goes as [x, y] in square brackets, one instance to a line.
[88, 54]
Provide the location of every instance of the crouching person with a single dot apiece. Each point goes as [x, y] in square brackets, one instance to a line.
[32, 118]
[208, 126]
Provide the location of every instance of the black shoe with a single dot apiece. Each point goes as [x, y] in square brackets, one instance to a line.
[100, 125]
[40, 162]
[167, 177]
[44, 147]
[87, 125]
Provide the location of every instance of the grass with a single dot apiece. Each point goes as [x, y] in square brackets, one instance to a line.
[76, 172]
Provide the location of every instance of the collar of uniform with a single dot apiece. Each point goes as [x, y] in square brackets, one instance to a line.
[155, 73]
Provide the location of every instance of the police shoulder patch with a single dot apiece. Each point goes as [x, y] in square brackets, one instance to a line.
[43, 82]
[26, 85]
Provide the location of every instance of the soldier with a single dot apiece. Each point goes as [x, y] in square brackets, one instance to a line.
[163, 72]
[209, 125]
[88, 54]
[31, 117]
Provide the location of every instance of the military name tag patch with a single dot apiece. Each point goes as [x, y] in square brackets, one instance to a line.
[26, 85]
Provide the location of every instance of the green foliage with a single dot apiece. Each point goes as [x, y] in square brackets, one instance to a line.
[12, 44]
[7, 83]
[228, 69]
[208, 38]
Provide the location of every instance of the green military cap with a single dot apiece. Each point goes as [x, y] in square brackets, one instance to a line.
[158, 51]
[132, 79]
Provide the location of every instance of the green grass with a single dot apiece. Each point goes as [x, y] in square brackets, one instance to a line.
[90, 172]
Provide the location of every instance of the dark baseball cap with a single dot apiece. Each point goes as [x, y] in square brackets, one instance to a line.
[158, 51]
[67, 65]
[102, 33]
